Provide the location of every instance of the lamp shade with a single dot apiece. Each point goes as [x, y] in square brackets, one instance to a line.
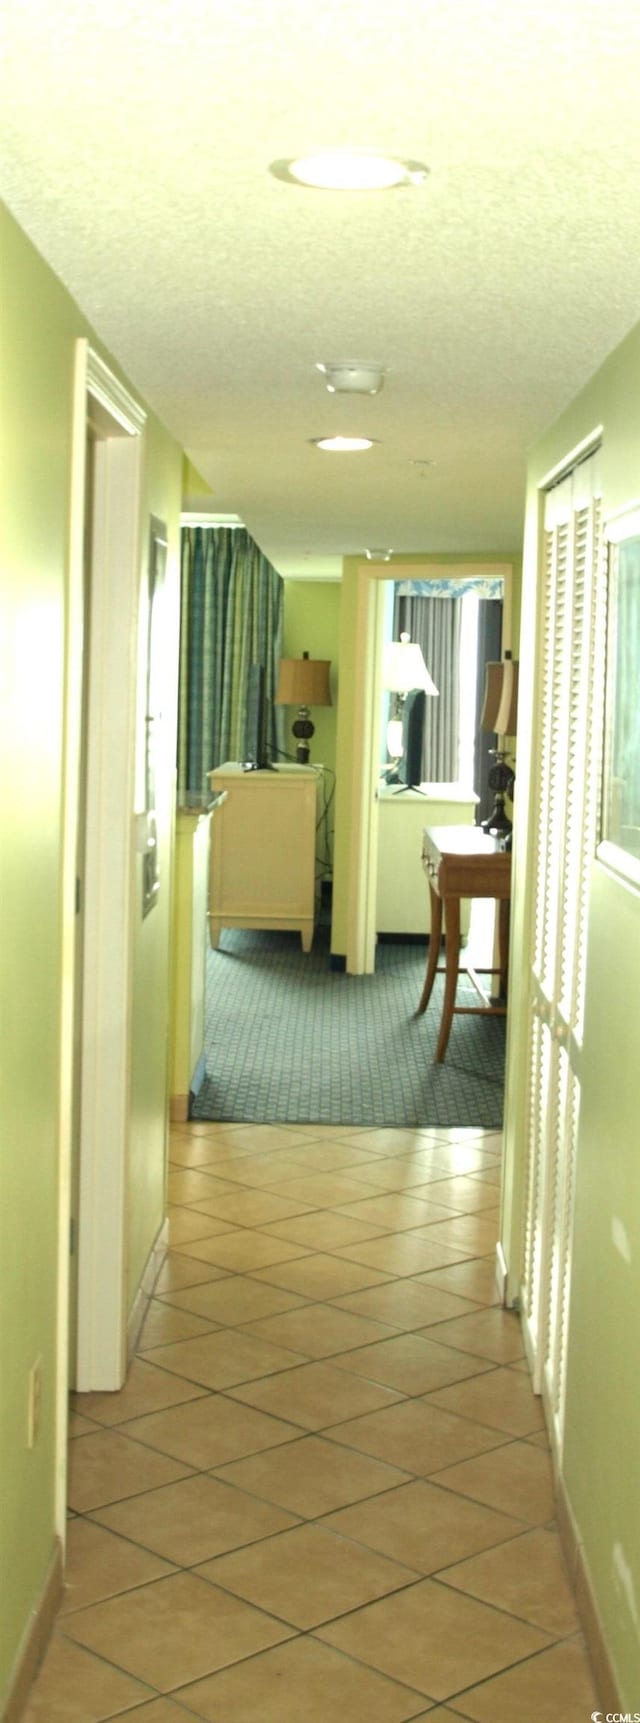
[500, 707]
[304, 682]
[403, 667]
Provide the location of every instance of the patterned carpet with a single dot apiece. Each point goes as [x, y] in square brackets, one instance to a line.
[289, 1040]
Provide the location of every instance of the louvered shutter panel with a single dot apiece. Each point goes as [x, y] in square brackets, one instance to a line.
[570, 676]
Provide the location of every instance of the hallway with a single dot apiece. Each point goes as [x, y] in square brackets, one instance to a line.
[325, 1491]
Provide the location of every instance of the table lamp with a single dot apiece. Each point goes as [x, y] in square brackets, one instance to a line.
[303, 682]
[500, 714]
[403, 668]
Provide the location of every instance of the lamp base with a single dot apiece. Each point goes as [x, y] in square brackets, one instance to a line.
[498, 824]
[303, 730]
[501, 779]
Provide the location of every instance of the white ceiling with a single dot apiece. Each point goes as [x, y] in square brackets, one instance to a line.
[136, 139]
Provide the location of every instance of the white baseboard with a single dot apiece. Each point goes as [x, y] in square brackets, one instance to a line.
[502, 1273]
[144, 1294]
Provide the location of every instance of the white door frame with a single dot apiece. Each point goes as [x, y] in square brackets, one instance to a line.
[100, 399]
[362, 674]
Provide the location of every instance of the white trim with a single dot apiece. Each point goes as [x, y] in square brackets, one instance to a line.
[502, 1272]
[74, 624]
[616, 861]
[203, 519]
[109, 874]
[367, 671]
[565, 467]
[107, 981]
[362, 674]
[622, 523]
[142, 1300]
[104, 387]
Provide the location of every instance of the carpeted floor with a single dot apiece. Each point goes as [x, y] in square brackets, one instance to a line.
[289, 1040]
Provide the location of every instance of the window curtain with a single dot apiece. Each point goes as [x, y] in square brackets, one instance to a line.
[230, 618]
[489, 651]
[435, 624]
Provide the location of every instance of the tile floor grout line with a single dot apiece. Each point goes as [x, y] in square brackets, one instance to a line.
[267, 1462]
[525, 1620]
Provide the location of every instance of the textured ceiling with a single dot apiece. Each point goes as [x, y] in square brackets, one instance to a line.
[136, 137]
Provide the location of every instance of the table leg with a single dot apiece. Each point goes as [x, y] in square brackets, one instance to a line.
[503, 943]
[434, 949]
[452, 958]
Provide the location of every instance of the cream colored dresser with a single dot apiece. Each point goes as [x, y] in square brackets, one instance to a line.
[402, 899]
[263, 850]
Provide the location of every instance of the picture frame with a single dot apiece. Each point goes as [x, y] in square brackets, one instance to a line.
[619, 846]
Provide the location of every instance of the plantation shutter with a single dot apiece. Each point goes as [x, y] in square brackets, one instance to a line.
[570, 678]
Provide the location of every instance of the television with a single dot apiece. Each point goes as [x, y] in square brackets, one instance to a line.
[414, 714]
[255, 731]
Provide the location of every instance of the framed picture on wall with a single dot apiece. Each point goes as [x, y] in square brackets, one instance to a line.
[152, 710]
[620, 830]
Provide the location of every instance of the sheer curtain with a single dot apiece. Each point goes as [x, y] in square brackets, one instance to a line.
[435, 624]
[231, 618]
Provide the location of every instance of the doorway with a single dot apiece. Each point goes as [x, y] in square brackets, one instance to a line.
[359, 727]
[100, 683]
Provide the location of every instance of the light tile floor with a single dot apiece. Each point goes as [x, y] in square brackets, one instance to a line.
[325, 1491]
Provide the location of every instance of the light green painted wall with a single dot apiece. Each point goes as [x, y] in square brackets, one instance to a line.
[38, 330]
[312, 624]
[40, 326]
[192, 482]
[602, 1423]
[347, 765]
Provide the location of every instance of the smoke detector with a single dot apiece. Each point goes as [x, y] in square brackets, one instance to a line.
[352, 376]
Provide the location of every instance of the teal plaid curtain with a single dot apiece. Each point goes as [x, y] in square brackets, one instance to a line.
[230, 618]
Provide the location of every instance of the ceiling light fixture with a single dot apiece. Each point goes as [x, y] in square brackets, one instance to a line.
[352, 376]
[343, 445]
[378, 555]
[349, 170]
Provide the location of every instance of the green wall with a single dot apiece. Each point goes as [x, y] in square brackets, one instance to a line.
[34, 475]
[41, 324]
[602, 1417]
[312, 624]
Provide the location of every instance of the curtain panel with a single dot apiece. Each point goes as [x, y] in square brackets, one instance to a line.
[230, 618]
[435, 624]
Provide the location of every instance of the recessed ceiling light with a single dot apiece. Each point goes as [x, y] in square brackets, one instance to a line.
[349, 170]
[378, 555]
[343, 445]
[352, 376]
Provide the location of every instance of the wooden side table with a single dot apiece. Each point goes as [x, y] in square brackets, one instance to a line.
[462, 861]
